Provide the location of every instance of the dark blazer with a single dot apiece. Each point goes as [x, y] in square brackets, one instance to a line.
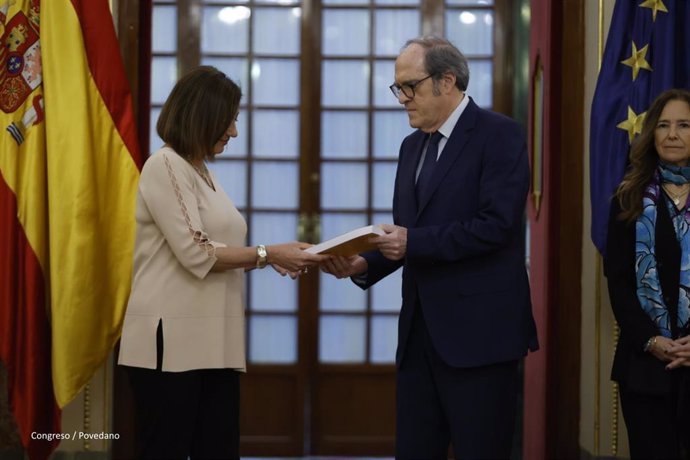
[638, 370]
[465, 261]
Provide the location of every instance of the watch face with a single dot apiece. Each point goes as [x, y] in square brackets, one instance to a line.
[261, 251]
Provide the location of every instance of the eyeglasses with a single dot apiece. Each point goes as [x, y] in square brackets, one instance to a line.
[407, 89]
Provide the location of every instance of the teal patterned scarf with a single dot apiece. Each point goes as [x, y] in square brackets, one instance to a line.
[648, 285]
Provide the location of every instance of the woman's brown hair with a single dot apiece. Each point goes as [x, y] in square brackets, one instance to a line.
[198, 112]
[644, 158]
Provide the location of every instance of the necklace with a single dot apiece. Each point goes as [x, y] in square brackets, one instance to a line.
[677, 196]
[204, 174]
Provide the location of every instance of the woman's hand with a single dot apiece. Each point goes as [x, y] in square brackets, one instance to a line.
[680, 350]
[292, 258]
[661, 349]
[282, 271]
[344, 267]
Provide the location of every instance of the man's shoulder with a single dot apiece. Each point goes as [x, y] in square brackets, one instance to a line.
[497, 123]
[489, 116]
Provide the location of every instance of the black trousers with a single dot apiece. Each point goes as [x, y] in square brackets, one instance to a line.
[180, 415]
[652, 424]
[474, 408]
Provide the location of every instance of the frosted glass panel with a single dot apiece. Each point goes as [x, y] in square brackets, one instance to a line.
[225, 30]
[340, 295]
[390, 128]
[273, 339]
[393, 29]
[481, 83]
[271, 292]
[280, 2]
[276, 81]
[272, 39]
[471, 31]
[384, 76]
[345, 83]
[345, 32]
[343, 185]
[384, 183]
[397, 2]
[341, 339]
[272, 228]
[346, 2]
[237, 69]
[470, 2]
[344, 134]
[164, 37]
[334, 224]
[386, 294]
[382, 218]
[274, 185]
[155, 142]
[232, 176]
[275, 133]
[384, 339]
[163, 78]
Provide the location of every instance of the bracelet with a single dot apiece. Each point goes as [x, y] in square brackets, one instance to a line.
[261, 256]
[649, 344]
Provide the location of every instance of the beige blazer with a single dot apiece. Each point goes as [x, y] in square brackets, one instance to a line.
[181, 220]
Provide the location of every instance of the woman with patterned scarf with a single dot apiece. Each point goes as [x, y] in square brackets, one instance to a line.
[647, 264]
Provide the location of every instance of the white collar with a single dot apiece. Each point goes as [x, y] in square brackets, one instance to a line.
[447, 127]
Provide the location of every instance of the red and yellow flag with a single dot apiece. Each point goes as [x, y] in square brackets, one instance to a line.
[69, 165]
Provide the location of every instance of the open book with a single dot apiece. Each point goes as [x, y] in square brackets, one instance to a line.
[350, 243]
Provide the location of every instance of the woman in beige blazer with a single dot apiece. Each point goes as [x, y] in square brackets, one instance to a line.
[183, 335]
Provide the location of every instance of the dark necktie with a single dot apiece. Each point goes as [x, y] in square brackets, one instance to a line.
[424, 179]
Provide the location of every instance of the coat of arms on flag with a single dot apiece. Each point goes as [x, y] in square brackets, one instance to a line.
[20, 68]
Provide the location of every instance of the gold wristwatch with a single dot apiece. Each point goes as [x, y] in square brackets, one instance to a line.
[261, 256]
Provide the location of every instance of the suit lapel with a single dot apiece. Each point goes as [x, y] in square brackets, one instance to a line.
[451, 152]
[408, 170]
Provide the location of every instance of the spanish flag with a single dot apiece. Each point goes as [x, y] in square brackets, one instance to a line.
[69, 165]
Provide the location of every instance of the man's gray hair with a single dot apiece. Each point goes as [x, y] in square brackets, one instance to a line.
[442, 56]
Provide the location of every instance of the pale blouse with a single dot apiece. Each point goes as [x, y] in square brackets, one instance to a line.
[181, 221]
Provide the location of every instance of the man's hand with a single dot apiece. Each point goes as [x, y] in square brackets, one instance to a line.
[344, 267]
[393, 245]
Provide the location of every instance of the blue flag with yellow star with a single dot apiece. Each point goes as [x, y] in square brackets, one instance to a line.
[647, 51]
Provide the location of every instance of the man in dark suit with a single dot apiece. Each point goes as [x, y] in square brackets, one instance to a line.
[466, 318]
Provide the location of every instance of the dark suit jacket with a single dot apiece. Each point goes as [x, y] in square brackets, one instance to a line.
[632, 367]
[465, 261]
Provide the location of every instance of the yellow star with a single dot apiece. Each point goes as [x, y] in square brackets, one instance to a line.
[633, 125]
[637, 60]
[654, 5]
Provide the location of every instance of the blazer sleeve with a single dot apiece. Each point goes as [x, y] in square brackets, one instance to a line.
[378, 267]
[619, 267]
[168, 191]
[501, 199]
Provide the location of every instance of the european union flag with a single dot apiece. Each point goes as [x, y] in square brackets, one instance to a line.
[647, 52]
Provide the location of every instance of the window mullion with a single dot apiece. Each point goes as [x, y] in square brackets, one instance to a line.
[189, 35]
